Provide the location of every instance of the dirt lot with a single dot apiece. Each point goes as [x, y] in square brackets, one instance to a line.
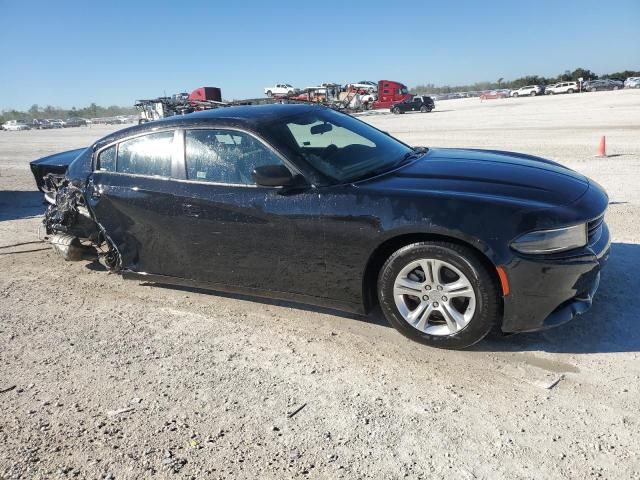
[119, 379]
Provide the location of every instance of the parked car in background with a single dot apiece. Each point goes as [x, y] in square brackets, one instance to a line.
[602, 84]
[363, 87]
[419, 103]
[528, 91]
[57, 123]
[493, 94]
[41, 124]
[370, 83]
[15, 125]
[632, 82]
[76, 122]
[318, 206]
[280, 89]
[562, 87]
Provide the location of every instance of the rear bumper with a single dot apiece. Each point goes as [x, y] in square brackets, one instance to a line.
[547, 292]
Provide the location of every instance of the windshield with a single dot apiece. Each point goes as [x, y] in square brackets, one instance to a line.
[339, 146]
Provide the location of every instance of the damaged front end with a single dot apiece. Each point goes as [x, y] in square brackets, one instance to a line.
[71, 229]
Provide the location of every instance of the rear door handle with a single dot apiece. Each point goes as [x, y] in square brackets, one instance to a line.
[95, 191]
[191, 210]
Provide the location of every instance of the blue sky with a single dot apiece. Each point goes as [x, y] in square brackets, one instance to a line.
[68, 53]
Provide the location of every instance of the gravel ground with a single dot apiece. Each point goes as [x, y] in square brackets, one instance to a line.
[106, 378]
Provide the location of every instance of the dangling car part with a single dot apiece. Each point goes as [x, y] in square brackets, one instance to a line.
[306, 203]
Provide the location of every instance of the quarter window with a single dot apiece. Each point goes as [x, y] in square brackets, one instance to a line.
[107, 160]
[225, 156]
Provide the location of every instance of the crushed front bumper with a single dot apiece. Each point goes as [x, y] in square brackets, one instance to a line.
[548, 291]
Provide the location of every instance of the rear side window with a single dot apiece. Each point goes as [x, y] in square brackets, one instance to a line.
[146, 155]
[225, 156]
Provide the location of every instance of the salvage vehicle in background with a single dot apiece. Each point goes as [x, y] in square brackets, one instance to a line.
[419, 103]
[390, 92]
[632, 82]
[562, 87]
[280, 89]
[41, 124]
[15, 125]
[602, 84]
[528, 91]
[303, 202]
[75, 122]
[493, 94]
[364, 87]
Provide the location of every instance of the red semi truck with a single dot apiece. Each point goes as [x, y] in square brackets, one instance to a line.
[390, 92]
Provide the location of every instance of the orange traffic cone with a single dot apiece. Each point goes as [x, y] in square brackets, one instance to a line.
[602, 148]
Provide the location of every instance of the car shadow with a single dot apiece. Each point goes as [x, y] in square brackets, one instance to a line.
[611, 325]
[19, 204]
[376, 318]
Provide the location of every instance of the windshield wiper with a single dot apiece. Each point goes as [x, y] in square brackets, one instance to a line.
[406, 158]
[411, 155]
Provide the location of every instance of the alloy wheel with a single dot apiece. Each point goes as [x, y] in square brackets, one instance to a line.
[434, 297]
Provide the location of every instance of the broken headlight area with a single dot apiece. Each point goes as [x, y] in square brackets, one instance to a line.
[70, 228]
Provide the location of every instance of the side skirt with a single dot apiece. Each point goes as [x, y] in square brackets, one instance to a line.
[251, 292]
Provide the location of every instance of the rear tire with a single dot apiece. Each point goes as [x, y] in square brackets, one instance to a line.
[395, 110]
[570, 90]
[483, 312]
[533, 94]
[516, 95]
[269, 93]
[424, 109]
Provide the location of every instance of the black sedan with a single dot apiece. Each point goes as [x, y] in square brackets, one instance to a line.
[302, 202]
[604, 84]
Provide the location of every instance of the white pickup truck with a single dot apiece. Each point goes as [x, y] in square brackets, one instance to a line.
[280, 89]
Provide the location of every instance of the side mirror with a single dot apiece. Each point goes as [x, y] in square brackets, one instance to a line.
[272, 176]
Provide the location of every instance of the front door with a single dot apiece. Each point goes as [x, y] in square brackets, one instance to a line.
[238, 233]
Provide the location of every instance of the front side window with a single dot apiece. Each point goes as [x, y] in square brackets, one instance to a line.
[146, 155]
[225, 156]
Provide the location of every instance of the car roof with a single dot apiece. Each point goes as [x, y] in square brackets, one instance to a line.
[247, 116]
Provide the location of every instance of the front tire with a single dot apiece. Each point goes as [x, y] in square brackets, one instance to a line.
[515, 95]
[395, 110]
[533, 94]
[439, 294]
[424, 109]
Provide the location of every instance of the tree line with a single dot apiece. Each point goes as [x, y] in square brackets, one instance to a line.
[568, 75]
[92, 111]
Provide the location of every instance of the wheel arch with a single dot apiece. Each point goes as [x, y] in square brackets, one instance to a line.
[385, 249]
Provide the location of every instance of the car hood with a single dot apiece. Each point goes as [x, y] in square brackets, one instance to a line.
[489, 173]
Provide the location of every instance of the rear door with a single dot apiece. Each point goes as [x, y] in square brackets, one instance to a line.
[239, 233]
[133, 197]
